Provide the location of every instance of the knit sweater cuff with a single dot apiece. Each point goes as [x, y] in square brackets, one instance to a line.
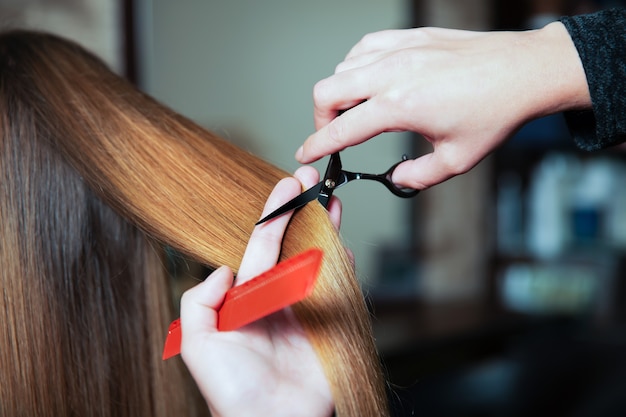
[600, 39]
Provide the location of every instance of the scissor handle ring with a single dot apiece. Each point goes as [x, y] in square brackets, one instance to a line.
[400, 192]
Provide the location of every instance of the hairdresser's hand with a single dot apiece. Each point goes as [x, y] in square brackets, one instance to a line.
[465, 92]
[267, 368]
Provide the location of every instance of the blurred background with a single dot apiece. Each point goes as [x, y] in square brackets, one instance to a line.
[497, 293]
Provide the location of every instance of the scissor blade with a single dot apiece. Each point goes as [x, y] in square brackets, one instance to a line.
[298, 201]
[330, 179]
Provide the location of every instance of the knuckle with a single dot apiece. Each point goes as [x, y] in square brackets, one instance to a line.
[424, 35]
[187, 296]
[368, 39]
[425, 32]
[404, 103]
[368, 42]
[405, 58]
[340, 67]
[336, 133]
[455, 164]
[321, 93]
[267, 237]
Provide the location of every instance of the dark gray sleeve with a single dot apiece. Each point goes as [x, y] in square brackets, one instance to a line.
[600, 39]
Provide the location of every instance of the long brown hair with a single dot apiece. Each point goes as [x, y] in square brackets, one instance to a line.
[93, 174]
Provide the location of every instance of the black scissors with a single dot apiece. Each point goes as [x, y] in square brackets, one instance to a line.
[334, 178]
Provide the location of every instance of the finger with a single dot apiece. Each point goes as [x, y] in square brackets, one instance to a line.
[265, 241]
[324, 114]
[360, 61]
[350, 255]
[417, 174]
[396, 39]
[334, 211]
[339, 92]
[199, 305]
[430, 169]
[308, 176]
[351, 128]
[386, 40]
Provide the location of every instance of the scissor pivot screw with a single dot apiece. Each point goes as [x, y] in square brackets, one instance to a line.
[329, 183]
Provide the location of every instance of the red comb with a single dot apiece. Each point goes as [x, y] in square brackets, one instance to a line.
[287, 283]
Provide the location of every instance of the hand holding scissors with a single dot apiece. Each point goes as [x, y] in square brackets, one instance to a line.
[334, 178]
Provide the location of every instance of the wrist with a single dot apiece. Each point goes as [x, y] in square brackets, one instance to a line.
[562, 79]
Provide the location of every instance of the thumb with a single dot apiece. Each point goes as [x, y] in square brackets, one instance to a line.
[199, 305]
[427, 170]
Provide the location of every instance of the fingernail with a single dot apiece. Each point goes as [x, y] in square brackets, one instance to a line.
[299, 153]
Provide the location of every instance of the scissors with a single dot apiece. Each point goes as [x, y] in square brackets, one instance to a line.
[334, 178]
